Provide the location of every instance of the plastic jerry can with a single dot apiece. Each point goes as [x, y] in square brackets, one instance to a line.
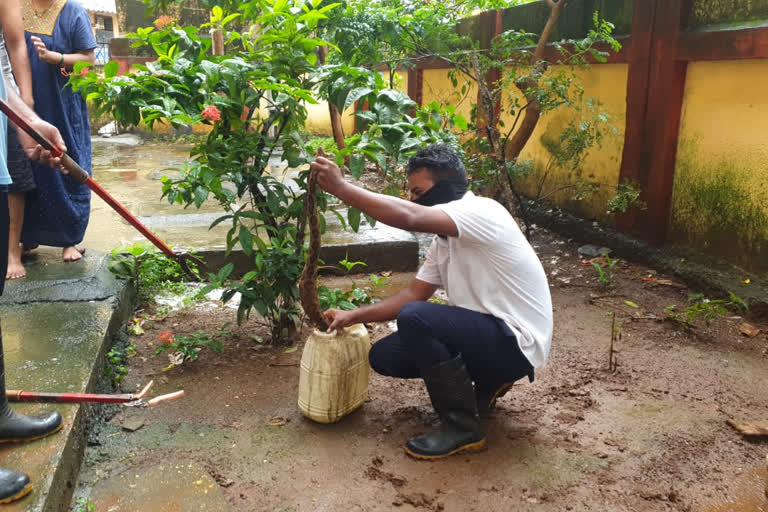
[333, 377]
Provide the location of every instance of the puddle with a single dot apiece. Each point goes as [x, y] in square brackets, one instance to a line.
[750, 495]
[131, 174]
[175, 302]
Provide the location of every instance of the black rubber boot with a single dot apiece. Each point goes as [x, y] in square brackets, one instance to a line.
[486, 398]
[13, 486]
[453, 397]
[16, 427]
[487, 395]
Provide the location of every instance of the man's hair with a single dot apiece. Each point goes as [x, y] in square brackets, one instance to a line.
[441, 161]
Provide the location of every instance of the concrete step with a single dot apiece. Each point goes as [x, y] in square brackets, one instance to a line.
[56, 326]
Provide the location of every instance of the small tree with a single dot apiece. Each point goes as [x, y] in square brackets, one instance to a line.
[526, 86]
[259, 87]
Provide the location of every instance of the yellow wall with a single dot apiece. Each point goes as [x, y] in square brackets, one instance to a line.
[720, 198]
[318, 120]
[438, 87]
[606, 83]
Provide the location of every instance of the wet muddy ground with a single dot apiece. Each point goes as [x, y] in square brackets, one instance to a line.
[648, 435]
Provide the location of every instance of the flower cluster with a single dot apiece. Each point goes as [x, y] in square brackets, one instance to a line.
[211, 113]
[165, 338]
[163, 21]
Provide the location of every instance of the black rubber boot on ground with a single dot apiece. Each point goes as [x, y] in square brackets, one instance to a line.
[453, 397]
[16, 427]
[13, 486]
[486, 399]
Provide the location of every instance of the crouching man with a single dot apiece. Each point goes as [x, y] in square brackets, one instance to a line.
[498, 326]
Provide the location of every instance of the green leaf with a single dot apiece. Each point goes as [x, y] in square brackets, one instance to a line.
[353, 216]
[219, 221]
[246, 240]
[81, 65]
[260, 245]
[460, 122]
[366, 116]
[279, 5]
[341, 219]
[225, 271]
[201, 194]
[357, 165]
[356, 94]
[229, 18]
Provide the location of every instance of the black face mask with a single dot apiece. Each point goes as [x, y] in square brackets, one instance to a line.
[442, 192]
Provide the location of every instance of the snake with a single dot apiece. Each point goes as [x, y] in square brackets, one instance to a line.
[308, 280]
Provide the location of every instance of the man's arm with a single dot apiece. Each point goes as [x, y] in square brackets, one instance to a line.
[13, 31]
[390, 210]
[387, 309]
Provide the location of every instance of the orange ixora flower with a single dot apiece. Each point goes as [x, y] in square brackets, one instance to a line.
[165, 337]
[84, 71]
[212, 113]
[163, 21]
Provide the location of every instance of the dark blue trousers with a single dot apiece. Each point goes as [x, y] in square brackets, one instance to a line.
[428, 334]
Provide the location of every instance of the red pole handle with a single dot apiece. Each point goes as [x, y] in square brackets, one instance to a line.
[33, 396]
[120, 209]
[82, 176]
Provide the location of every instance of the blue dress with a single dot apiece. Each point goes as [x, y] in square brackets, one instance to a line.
[58, 215]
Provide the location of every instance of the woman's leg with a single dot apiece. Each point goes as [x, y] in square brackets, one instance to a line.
[16, 210]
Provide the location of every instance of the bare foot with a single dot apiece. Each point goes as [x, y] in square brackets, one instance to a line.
[72, 253]
[15, 268]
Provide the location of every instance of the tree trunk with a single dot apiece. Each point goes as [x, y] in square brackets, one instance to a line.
[528, 85]
[336, 126]
[218, 42]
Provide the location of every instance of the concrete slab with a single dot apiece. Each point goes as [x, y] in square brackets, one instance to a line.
[55, 324]
[161, 488]
[50, 280]
[128, 139]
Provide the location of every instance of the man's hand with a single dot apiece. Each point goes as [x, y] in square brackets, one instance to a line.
[329, 175]
[35, 152]
[339, 318]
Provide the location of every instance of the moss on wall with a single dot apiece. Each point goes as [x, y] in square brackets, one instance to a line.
[717, 209]
[708, 12]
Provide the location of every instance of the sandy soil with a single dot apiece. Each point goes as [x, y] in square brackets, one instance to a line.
[649, 434]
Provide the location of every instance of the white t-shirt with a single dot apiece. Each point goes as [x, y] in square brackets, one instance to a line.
[491, 268]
